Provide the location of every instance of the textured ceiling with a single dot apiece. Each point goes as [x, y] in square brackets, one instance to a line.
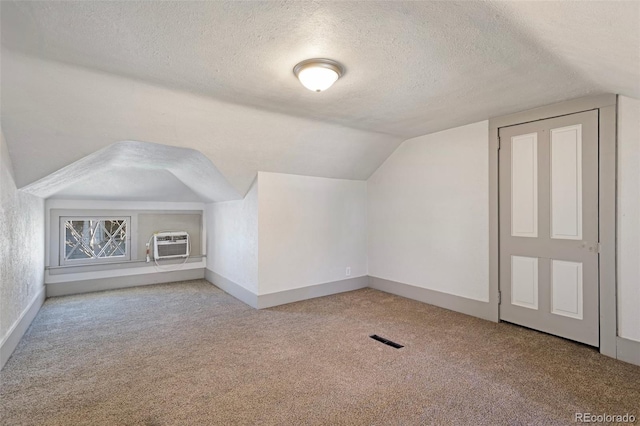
[55, 114]
[598, 39]
[126, 184]
[216, 76]
[139, 171]
[412, 67]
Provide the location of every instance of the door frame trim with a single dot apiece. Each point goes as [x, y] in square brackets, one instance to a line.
[606, 106]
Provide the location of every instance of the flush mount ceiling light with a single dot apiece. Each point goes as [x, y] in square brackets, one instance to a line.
[318, 74]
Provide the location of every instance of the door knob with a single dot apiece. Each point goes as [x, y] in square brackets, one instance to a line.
[593, 247]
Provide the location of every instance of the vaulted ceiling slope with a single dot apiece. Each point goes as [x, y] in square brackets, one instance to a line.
[216, 76]
[54, 114]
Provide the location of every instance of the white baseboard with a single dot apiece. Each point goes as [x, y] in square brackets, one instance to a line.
[628, 350]
[234, 289]
[15, 333]
[283, 297]
[311, 292]
[455, 303]
[112, 283]
[460, 304]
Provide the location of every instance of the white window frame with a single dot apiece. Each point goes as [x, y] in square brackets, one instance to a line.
[113, 259]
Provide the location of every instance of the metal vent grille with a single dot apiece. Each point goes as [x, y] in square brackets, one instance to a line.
[386, 341]
[172, 250]
[171, 238]
[171, 245]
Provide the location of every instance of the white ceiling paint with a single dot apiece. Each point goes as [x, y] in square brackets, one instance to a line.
[138, 171]
[599, 39]
[128, 184]
[412, 68]
[54, 114]
[217, 76]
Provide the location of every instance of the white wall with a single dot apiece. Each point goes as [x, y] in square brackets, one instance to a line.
[21, 247]
[428, 213]
[629, 218]
[311, 230]
[232, 239]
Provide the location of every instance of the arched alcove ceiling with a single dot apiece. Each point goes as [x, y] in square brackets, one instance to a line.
[127, 170]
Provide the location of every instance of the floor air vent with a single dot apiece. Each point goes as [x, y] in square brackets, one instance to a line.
[386, 342]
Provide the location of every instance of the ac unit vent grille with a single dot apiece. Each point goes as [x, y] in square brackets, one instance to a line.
[173, 238]
[172, 250]
[168, 245]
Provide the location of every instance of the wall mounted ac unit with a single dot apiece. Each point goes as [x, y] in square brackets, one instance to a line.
[168, 245]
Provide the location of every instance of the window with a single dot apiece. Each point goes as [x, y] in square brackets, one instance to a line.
[94, 239]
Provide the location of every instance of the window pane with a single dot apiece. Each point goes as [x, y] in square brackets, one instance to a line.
[95, 239]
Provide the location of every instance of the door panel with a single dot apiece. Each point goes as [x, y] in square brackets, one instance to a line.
[566, 183]
[566, 288]
[524, 281]
[549, 226]
[524, 186]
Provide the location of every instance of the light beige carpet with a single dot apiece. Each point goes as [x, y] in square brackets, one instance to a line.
[188, 353]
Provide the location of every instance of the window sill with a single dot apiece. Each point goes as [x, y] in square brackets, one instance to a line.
[109, 266]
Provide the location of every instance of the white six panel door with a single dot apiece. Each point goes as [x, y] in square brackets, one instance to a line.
[548, 226]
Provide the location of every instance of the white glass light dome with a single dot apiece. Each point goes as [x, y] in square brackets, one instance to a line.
[318, 75]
